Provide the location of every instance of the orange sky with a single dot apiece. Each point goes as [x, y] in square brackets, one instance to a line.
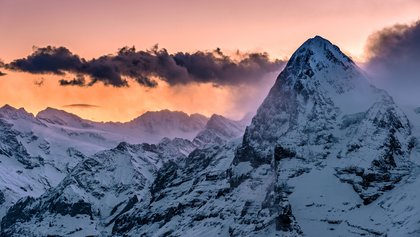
[96, 27]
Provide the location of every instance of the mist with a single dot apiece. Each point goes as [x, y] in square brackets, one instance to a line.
[394, 61]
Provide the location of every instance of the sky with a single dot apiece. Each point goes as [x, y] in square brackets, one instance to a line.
[212, 56]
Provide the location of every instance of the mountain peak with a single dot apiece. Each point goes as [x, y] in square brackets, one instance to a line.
[7, 107]
[318, 53]
[48, 112]
[61, 117]
[319, 84]
[319, 64]
[10, 112]
[317, 41]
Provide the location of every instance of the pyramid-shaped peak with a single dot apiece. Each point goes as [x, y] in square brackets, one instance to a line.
[7, 107]
[318, 54]
[318, 41]
[320, 45]
[320, 48]
[10, 109]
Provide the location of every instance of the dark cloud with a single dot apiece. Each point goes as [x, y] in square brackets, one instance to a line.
[79, 80]
[142, 66]
[80, 106]
[394, 60]
[48, 60]
[2, 65]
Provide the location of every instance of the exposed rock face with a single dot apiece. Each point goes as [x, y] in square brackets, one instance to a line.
[11, 147]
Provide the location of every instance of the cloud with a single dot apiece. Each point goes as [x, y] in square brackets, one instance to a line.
[394, 60]
[39, 82]
[2, 65]
[79, 80]
[83, 106]
[144, 67]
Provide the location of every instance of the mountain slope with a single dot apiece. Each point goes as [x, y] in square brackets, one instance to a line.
[97, 191]
[32, 159]
[36, 153]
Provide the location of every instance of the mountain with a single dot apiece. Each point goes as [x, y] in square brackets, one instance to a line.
[30, 164]
[153, 126]
[150, 127]
[9, 112]
[322, 105]
[61, 117]
[93, 194]
[326, 154]
[37, 152]
[219, 130]
[322, 127]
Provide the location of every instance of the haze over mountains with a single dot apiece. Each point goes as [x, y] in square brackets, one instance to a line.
[327, 154]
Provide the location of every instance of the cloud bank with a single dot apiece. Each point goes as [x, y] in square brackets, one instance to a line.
[394, 60]
[144, 67]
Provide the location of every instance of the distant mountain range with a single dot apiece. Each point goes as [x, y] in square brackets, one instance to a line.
[39, 151]
[326, 154]
[150, 127]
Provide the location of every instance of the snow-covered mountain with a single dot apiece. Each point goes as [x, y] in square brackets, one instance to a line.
[35, 156]
[63, 118]
[219, 130]
[327, 154]
[93, 194]
[37, 152]
[321, 128]
[165, 123]
[150, 127]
